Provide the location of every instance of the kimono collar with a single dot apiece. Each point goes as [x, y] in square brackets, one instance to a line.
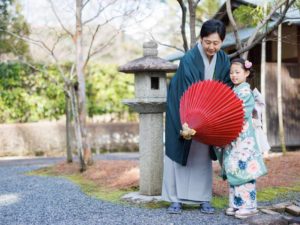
[209, 67]
[242, 85]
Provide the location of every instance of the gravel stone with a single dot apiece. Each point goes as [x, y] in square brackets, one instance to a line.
[49, 200]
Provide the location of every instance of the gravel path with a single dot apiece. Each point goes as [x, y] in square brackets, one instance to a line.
[47, 200]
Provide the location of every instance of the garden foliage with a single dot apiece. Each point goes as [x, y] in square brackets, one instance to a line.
[32, 93]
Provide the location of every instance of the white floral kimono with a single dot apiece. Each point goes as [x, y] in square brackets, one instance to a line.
[242, 160]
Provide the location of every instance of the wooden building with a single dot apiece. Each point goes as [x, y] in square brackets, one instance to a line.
[290, 74]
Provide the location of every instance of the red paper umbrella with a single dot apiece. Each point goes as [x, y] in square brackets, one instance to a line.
[213, 110]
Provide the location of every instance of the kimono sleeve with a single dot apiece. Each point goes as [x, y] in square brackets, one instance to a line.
[180, 82]
[185, 77]
[248, 102]
[259, 105]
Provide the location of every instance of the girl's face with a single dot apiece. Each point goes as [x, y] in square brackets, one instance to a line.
[211, 44]
[237, 74]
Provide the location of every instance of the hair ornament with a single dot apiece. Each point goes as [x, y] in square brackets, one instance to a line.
[248, 64]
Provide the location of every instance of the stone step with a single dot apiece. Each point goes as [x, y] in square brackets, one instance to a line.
[266, 220]
[297, 202]
[269, 212]
[280, 207]
[293, 209]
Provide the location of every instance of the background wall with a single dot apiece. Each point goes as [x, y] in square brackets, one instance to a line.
[49, 138]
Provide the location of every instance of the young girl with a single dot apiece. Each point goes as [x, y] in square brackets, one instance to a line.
[242, 159]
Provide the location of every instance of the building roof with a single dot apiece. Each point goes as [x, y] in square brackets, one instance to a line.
[292, 17]
[245, 33]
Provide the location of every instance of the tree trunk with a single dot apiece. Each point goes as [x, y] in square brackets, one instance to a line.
[192, 10]
[81, 84]
[182, 26]
[279, 94]
[77, 129]
[233, 24]
[263, 78]
[68, 129]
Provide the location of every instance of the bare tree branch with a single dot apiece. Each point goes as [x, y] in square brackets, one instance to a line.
[72, 74]
[96, 51]
[233, 24]
[91, 53]
[258, 38]
[183, 21]
[59, 20]
[264, 22]
[166, 45]
[59, 38]
[85, 3]
[91, 45]
[41, 44]
[99, 11]
[29, 40]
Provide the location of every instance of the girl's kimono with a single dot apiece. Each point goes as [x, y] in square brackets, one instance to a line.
[242, 160]
[260, 135]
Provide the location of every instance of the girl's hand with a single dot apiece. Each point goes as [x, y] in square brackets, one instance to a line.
[186, 132]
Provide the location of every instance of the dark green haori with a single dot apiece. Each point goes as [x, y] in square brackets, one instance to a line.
[190, 70]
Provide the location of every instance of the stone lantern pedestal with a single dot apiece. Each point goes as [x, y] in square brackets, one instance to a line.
[150, 101]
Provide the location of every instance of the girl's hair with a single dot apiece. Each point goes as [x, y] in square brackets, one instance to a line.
[246, 65]
[213, 26]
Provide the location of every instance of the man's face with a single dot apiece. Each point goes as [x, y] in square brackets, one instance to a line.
[211, 44]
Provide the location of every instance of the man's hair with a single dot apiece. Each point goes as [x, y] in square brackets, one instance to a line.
[213, 26]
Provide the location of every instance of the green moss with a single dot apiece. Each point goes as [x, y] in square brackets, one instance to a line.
[114, 195]
[156, 205]
[87, 187]
[217, 202]
[46, 171]
[220, 202]
[91, 189]
[269, 194]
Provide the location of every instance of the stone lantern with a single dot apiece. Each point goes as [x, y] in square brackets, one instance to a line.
[150, 102]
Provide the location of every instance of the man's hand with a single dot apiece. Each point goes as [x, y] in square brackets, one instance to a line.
[187, 132]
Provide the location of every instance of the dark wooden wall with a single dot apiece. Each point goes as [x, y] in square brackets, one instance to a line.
[291, 103]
